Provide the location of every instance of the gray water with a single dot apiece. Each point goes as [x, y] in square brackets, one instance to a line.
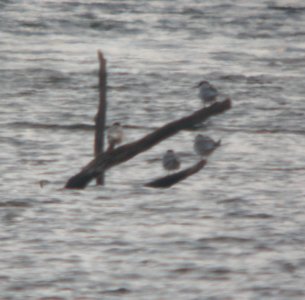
[235, 230]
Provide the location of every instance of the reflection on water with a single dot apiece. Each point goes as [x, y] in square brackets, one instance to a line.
[233, 230]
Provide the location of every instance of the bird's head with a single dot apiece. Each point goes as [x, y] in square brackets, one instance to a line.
[202, 83]
[202, 138]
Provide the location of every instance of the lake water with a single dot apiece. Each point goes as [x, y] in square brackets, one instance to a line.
[235, 230]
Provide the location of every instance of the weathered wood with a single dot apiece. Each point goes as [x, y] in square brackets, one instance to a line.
[168, 181]
[100, 119]
[123, 153]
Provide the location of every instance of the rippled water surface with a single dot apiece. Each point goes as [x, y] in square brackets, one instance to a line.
[235, 230]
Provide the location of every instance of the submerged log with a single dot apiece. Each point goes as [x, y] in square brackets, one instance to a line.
[100, 119]
[168, 181]
[123, 153]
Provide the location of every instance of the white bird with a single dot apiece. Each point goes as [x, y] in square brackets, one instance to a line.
[207, 92]
[170, 161]
[114, 135]
[204, 145]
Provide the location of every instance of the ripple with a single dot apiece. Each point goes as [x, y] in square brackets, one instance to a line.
[117, 291]
[16, 203]
[242, 214]
[52, 126]
[225, 239]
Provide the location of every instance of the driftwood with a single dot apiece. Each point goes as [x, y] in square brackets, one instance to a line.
[123, 153]
[168, 181]
[100, 119]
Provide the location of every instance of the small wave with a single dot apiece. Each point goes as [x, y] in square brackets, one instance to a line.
[297, 169]
[260, 79]
[232, 56]
[108, 25]
[49, 75]
[118, 291]
[108, 6]
[220, 271]
[15, 203]
[233, 77]
[225, 239]
[33, 24]
[249, 216]
[192, 11]
[231, 200]
[52, 126]
[37, 162]
[87, 127]
[288, 9]
[255, 35]
[37, 77]
[253, 79]
[278, 131]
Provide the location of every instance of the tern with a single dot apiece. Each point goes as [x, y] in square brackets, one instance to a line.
[204, 145]
[170, 161]
[114, 135]
[207, 92]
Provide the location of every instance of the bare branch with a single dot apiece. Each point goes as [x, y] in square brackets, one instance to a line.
[100, 119]
[121, 154]
[168, 181]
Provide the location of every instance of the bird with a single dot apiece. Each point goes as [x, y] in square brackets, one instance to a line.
[207, 92]
[204, 145]
[114, 135]
[170, 161]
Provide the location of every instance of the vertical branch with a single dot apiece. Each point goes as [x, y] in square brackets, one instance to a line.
[100, 119]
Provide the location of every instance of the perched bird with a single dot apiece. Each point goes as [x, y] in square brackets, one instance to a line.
[114, 135]
[170, 161]
[204, 145]
[207, 92]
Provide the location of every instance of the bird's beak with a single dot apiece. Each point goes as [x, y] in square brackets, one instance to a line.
[195, 86]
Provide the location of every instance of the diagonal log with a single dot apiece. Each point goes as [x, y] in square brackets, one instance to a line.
[121, 154]
[168, 181]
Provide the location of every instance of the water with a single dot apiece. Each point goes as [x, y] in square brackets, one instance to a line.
[235, 230]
